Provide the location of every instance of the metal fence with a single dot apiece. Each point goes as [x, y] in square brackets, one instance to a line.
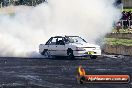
[126, 24]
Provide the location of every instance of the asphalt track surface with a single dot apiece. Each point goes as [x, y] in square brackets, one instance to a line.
[60, 72]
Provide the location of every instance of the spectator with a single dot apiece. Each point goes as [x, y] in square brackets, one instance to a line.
[118, 27]
[126, 17]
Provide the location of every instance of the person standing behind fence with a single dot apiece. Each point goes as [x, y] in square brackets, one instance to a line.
[130, 19]
[118, 27]
[130, 22]
[128, 14]
[125, 20]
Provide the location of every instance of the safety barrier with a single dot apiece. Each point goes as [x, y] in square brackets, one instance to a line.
[126, 24]
[118, 49]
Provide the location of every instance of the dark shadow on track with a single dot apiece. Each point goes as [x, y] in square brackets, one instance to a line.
[64, 58]
[54, 58]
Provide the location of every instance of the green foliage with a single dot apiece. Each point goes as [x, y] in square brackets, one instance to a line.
[127, 10]
[21, 2]
[122, 31]
[115, 41]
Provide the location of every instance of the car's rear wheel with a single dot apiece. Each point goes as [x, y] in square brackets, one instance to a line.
[70, 53]
[42, 53]
[93, 56]
[46, 53]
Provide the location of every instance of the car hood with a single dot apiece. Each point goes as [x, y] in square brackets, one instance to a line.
[85, 45]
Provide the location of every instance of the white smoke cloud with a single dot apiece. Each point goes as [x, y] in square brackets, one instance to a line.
[21, 33]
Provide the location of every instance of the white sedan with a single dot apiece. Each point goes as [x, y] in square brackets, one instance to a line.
[70, 46]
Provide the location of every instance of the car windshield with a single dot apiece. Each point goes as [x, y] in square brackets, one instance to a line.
[76, 39]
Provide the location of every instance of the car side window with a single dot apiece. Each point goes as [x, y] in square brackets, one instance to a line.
[49, 41]
[53, 42]
[60, 41]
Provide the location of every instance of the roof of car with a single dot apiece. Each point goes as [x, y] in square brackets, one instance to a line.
[64, 36]
[72, 36]
[58, 36]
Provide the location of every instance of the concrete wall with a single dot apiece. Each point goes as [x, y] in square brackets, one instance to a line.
[127, 3]
[120, 35]
[119, 49]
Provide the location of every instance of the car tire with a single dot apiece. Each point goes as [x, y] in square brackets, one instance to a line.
[45, 53]
[42, 53]
[70, 53]
[93, 57]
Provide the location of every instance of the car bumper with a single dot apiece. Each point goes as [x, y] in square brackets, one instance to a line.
[87, 53]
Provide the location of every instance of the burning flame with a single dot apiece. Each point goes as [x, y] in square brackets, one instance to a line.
[81, 71]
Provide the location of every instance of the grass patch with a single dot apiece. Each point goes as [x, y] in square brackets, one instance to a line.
[127, 10]
[115, 41]
[122, 31]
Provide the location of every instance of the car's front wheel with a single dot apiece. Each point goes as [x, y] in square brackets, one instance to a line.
[70, 53]
[93, 56]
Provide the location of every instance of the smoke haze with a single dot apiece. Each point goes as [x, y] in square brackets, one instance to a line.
[22, 31]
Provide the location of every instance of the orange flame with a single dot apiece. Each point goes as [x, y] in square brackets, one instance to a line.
[81, 71]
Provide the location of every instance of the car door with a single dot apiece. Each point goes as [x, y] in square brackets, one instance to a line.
[52, 46]
[60, 47]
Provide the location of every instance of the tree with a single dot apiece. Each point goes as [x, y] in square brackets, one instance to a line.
[21, 2]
